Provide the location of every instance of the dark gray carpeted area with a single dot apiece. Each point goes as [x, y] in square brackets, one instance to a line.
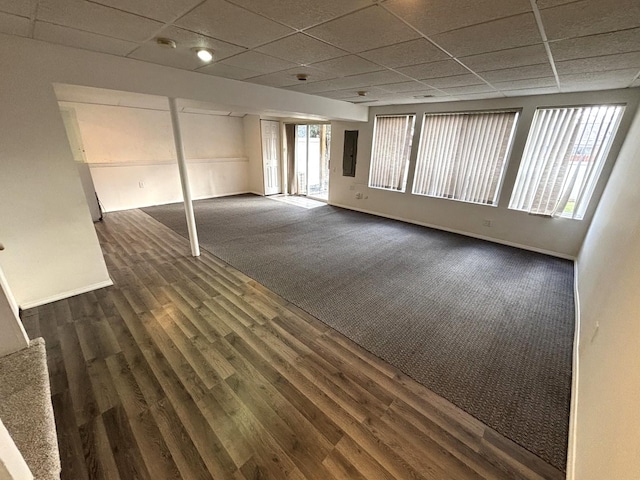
[486, 326]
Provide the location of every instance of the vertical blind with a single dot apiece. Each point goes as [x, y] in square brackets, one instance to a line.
[462, 155]
[392, 139]
[563, 158]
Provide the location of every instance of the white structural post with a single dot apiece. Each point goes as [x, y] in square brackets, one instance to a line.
[184, 179]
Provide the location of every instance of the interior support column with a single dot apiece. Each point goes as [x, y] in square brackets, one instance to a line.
[184, 179]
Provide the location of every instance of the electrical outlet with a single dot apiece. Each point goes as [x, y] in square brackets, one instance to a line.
[486, 223]
[141, 184]
[358, 195]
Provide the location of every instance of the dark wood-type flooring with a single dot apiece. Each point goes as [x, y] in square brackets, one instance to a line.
[186, 368]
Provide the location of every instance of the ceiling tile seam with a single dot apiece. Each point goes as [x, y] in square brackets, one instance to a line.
[32, 17]
[346, 52]
[86, 31]
[452, 57]
[247, 49]
[560, 5]
[124, 11]
[599, 34]
[168, 24]
[545, 40]
[253, 12]
[337, 17]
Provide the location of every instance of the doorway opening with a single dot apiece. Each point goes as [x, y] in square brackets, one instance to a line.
[311, 161]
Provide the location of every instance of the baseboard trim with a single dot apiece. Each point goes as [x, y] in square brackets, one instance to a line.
[575, 379]
[460, 232]
[63, 295]
[205, 197]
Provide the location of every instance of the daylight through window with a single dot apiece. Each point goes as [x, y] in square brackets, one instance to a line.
[462, 155]
[563, 158]
[392, 137]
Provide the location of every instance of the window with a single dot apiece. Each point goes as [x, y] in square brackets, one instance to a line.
[392, 137]
[462, 155]
[563, 158]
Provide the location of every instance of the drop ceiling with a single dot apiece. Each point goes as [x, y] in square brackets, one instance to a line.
[397, 51]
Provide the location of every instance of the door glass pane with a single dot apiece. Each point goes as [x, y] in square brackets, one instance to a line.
[301, 159]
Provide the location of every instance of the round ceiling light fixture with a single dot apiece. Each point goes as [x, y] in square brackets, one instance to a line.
[166, 42]
[204, 54]
[362, 93]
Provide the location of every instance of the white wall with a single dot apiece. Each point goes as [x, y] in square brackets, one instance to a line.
[607, 417]
[13, 337]
[118, 185]
[12, 464]
[253, 148]
[52, 248]
[131, 154]
[558, 236]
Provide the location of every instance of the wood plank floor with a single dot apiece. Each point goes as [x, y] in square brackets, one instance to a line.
[186, 368]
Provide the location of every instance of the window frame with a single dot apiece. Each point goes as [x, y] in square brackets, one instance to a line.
[507, 158]
[604, 168]
[408, 160]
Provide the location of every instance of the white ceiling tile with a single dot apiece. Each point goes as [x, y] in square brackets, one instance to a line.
[513, 57]
[220, 19]
[446, 68]
[366, 29]
[479, 96]
[469, 89]
[80, 39]
[349, 65]
[228, 71]
[525, 83]
[23, 8]
[96, 18]
[277, 80]
[518, 73]
[551, 3]
[369, 79]
[412, 52]
[511, 32]
[300, 48]
[258, 62]
[372, 93]
[598, 80]
[437, 16]
[302, 13]
[454, 81]
[599, 64]
[15, 25]
[596, 45]
[177, 58]
[404, 87]
[186, 40]
[314, 75]
[588, 17]
[531, 91]
[164, 11]
[315, 87]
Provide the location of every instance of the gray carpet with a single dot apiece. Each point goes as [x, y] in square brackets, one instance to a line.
[26, 410]
[486, 326]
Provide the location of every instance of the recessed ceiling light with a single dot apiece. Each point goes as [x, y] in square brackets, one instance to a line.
[166, 42]
[204, 54]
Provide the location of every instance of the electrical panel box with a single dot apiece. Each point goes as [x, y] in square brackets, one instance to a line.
[350, 153]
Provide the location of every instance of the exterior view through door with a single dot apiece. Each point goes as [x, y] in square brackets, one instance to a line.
[312, 160]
